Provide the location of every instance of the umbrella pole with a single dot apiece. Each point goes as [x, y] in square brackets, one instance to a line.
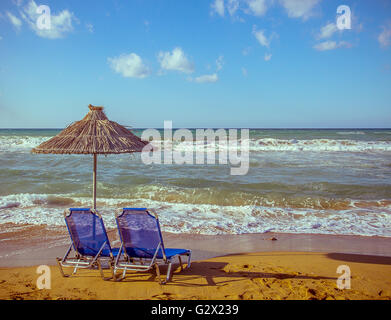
[94, 181]
[94, 195]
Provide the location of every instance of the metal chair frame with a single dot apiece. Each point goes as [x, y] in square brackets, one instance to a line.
[80, 261]
[142, 264]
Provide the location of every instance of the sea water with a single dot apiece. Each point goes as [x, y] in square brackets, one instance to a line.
[328, 181]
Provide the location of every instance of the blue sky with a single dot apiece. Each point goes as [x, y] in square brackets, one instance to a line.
[199, 63]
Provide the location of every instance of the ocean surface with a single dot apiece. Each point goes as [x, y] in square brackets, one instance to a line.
[300, 181]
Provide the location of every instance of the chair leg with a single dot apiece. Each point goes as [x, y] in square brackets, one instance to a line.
[158, 273]
[61, 269]
[101, 271]
[168, 277]
[117, 278]
[180, 262]
[112, 270]
[123, 275]
[188, 261]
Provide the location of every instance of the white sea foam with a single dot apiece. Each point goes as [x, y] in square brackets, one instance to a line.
[19, 143]
[212, 219]
[291, 145]
[350, 132]
[323, 145]
[26, 143]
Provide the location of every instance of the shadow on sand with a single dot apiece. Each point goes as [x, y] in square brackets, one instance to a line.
[213, 274]
[360, 258]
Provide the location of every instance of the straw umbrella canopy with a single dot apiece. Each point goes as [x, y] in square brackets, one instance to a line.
[94, 134]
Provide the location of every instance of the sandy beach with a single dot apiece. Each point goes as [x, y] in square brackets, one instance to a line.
[232, 267]
[254, 133]
[269, 276]
[313, 201]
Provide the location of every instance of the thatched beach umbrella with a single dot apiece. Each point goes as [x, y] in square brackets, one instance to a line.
[94, 134]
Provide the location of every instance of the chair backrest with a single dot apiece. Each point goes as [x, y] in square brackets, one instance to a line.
[140, 233]
[87, 231]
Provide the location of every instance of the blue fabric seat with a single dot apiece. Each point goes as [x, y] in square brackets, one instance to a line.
[148, 253]
[106, 252]
[141, 238]
[171, 252]
[89, 240]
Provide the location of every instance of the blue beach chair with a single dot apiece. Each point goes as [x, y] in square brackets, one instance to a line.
[142, 247]
[89, 241]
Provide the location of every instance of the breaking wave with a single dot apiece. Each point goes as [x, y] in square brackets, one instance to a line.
[357, 217]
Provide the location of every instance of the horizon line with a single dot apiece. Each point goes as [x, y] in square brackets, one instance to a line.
[250, 128]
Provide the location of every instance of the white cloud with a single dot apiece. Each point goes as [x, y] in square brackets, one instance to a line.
[327, 31]
[218, 7]
[261, 37]
[17, 23]
[176, 60]
[267, 56]
[90, 27]
[219, 63]
[384, 37]
[331, 45]
[232, 6]
[129, 65]
[244, 72]
[326, 45]
[1, 38]
[294, 8]
[207, 78]
[253, 7]
[257, 7]
[60, 24]
[299, 8]
[210, 77]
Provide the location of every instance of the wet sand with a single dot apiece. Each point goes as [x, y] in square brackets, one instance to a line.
[30, 246]
[247, 266]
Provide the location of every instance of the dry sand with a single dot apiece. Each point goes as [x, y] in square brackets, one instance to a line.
[248, 266]
[267, 275]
